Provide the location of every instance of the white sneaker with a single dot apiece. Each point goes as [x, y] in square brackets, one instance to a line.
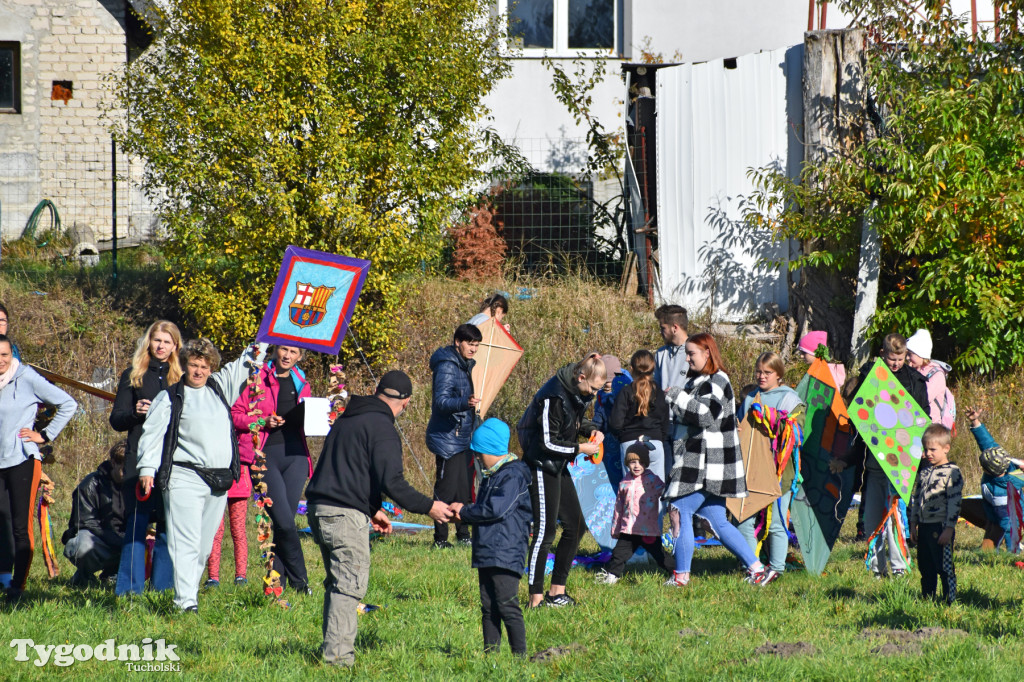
[606, 578]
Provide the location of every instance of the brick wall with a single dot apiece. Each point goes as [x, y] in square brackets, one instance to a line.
[61, 150]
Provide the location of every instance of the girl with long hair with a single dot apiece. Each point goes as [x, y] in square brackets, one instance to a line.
[154, 367]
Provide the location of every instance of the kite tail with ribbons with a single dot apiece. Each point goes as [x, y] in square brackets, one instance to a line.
[45, 526]
[897, 514]
[787, 437]
[272, 580]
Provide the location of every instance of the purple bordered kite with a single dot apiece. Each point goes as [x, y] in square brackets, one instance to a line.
[313, 300]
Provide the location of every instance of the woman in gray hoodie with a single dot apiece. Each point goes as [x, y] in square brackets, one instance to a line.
[21, 390]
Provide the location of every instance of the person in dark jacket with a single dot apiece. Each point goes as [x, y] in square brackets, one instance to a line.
[154, 367]
[360, 462]
[549, 433]
[874, 500]
[451, 425]
[501, 529]
[641, 409]
[95, 531]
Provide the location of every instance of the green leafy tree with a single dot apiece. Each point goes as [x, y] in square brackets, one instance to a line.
[942, 182]
[348, 126]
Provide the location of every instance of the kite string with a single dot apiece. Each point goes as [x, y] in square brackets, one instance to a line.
[401, 432]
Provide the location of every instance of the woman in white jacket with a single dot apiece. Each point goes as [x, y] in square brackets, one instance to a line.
[188, 434]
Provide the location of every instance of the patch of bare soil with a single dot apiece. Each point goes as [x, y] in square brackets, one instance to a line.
[786, 649]
[554, 652]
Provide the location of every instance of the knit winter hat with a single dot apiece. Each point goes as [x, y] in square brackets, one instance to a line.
[811, 340]
[491, 438]
[638, 451]
[995, 461]
[611, 365]
[920, 344]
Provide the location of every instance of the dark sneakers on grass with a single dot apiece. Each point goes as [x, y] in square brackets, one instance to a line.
[442, 544]
[559, 600]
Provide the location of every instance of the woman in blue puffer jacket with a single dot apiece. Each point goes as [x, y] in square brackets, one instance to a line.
[451, 425]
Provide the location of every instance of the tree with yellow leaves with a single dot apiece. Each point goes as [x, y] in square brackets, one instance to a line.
[347, 126]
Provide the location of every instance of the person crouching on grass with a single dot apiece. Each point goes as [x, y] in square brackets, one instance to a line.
[501, 530]
[636, 522]
[934, 509]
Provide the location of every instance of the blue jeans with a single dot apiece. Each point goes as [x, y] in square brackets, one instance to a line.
[778, 538]
[131, 573]
[712, 508]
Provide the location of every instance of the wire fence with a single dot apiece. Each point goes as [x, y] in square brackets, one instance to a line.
[558, 218]
[84, 185]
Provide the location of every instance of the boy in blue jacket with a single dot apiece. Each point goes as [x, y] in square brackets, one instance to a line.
[501, 530]
[1000, 470]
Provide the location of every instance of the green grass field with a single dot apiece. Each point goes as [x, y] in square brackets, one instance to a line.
[68, 321]
[429, 627]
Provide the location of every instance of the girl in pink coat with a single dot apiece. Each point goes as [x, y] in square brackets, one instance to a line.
[636, 522]
[941, 406]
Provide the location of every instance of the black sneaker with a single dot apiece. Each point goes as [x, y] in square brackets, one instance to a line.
[559, 601]
[468, 542]
[241, 580]
[442, 544]
[210, 584]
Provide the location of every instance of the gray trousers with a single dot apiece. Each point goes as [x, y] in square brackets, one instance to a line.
[343, 535]
[193, 517]
[876, 490]
[89, 553]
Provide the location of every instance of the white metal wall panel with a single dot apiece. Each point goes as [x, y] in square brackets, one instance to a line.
[713, 125]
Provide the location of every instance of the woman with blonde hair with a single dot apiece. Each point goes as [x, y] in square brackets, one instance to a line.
[154, 367]
[188, 451]
[549, 433]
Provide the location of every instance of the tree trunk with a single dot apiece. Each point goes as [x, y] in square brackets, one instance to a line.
[835, 120]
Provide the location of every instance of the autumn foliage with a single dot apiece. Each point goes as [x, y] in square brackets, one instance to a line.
[478, 251]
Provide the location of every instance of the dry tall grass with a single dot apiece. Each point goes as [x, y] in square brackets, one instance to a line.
[72, 323]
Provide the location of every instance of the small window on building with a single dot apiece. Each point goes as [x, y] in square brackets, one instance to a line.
[62, 90]
[10, 78]
[561, 27]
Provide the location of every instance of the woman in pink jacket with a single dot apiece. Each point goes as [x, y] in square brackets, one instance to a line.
[636, 522]
[283, 441]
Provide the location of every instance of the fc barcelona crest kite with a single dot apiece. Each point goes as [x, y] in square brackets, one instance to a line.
[312, 302]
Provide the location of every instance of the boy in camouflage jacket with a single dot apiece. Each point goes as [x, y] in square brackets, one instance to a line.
[934, 509]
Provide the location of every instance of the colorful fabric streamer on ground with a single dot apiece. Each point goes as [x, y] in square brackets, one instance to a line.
[45, 526]
[897, 514]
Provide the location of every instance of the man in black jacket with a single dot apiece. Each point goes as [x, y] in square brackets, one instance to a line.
[360, 462]
[95, 531]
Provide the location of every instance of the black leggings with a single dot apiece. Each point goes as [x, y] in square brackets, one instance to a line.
[285, 477]
[18, 486]
[454, 484]
[626, 547]
[554, 499]
[499, 603]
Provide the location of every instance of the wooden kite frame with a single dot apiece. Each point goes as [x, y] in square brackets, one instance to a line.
[489, 376]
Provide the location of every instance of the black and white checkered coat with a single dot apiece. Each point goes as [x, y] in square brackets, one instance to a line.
[708, 456]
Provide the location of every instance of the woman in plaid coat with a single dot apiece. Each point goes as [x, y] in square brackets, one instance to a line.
[708, 463]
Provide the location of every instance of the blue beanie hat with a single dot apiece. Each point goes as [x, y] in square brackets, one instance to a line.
[491, 438]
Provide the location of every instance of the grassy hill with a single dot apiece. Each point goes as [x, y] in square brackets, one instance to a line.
[75, 323]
